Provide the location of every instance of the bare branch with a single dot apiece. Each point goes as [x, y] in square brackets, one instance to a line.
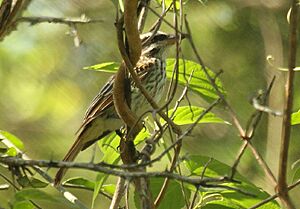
[205, 182]
[59, 20]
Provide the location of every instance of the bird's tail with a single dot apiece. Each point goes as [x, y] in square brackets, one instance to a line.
[70, 156]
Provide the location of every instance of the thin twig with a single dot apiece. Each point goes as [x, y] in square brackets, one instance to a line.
[177, 148]
[263, 164]
[212, 81]
[120, 188]
[194, 198]
[238, 158]
[250, 130]
[59, 20]
[269, 199]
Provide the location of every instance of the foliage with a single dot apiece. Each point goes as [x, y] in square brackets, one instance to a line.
[50, 89]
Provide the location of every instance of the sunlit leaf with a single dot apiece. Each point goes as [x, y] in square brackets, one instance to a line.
[11, 152]
[226, 197]
[199, 82]
[109, 146]
[217, 201]
[12, 138]
[108, 67]
[187, 115]
[141, 136]
[295, 118]
[173, 198]
[109, 188]
[34, 194]
[23, 205]
[100, 179]
[296, 170]
[80, 182]
[26, 181]
[169, 2]
[195, 164]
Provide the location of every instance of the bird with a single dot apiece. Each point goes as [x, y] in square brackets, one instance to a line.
[101, 117]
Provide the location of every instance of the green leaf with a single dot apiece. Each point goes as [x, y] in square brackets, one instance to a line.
[217, 201]
[195, 164]
[169, 2]
[34, 194]
[173, 198]
[108, 67]
[109, 188]
[12, 138]
[100, 179]
[11, 152]
[295, 118]
[296, 170]
[109, 146]
[26, 181]
[144, 134]
[235, 199]
[199, 82]
[189, 114]
[80, 182]
[23, 205]
[89, 185]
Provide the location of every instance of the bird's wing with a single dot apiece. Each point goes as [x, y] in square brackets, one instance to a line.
[104, 98]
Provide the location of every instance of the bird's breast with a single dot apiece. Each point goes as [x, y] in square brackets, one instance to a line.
[153, 79]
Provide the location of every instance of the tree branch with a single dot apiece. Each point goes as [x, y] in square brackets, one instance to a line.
[59, 20]
[15, 161]
[286, 125]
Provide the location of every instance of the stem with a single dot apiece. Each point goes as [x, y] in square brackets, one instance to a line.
[286, 126]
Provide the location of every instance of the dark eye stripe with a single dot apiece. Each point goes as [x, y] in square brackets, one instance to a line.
[159, 37]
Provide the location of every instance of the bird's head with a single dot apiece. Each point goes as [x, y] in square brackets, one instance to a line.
[155, 45]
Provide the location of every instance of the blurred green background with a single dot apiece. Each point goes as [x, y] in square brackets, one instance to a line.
[44, 91]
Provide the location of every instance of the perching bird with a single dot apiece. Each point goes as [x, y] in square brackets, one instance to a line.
[101, 117]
